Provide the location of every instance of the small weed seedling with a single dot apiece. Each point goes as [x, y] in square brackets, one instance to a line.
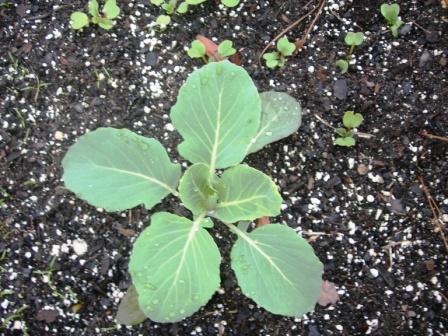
[175, 262]
[278, 58]
[199, 50]
[181, 7]
[104, 19]
[390, 13]
[351, 121]
[352, 40]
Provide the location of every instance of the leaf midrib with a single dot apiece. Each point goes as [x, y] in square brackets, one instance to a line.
[131, 173]
[217, 134]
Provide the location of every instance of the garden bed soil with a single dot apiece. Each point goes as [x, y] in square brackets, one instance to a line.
[373, 226]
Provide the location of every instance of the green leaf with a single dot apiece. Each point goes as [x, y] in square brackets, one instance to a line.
[277, 269]
[390, 12]
[157, 2]
[169, 7]
[105, 23]
[281, 115]
[225, 48]
[273, 64]
[174, 266]
[342, 65]
[352, 120]
[163, 20]
[245, 194]
[217, 113]
[93, 9]
[129, 311]
[285, 47]
[182, 8]
[197, 49]
[110, 9]
[343, 132]
[345, 142]
[196, 189]
[354, 39]
[116, 169]
[194, 2]
[271, 56]
[230, 3]
[79, 20]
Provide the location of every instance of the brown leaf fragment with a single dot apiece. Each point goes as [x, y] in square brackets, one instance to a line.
[263, 221]
[430, 264]
[125, 232]
[211, 48]
[328, 294]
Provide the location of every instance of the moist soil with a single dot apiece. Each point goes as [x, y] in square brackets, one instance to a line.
[362, 208]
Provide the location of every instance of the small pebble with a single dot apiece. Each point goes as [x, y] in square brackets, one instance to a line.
[80, 246]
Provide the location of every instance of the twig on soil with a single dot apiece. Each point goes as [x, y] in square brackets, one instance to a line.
[287, 29]
[432, 136]
[313, 233]
[301, 42]
[435, 212]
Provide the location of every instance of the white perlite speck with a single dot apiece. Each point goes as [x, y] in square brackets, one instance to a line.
[80, 246]
[58, 135]
[374, 272]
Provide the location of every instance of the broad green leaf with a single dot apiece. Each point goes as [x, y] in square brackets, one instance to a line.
[169, 7]
[390, 12]
[230, 3]
[345, 142]
[352, 120]
[342, 65]
[93, 9]
[111, 9]
[79, 20]
[163, 20]
[285, 47]
[217, 113]
[245, 193]
[225, 48]
[174, 267]
[277, 269]
[182, 8]
[273, 63]
[116, 169]
[354, 39]
[105, 23]
[129, 311]
[197, 49]
[196, 189]
[281, 115]
[343, 132]
[194, 2]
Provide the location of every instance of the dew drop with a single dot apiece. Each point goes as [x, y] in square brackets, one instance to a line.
[148, 307]
[171, 314]
[195, 297]
[155, 301]
[182, 311]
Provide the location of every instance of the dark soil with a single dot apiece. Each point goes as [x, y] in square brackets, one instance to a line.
[372, 225]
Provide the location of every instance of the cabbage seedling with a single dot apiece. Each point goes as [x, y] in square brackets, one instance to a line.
[278, 58]
[345, 134]
[390, 13]
[199, 50]
[175, 262]
[104, 19]
[352, 40]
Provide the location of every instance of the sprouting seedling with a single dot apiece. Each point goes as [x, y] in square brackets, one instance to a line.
[353, 40]
[214, 52]
[278, 58]
[171, 7]
[175, 262]
[104, 19]
[351, 121]
[390, 13]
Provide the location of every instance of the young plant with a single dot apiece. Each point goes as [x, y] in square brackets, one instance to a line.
[104, 19]
[351, 121]
[352, 40]
[390, 13]
[199, 50]
[175, 262]
[278, 58]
